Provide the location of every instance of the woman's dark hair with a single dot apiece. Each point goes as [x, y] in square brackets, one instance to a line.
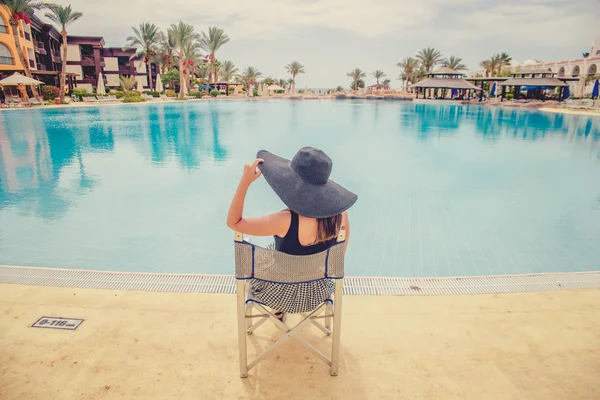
[328, 228]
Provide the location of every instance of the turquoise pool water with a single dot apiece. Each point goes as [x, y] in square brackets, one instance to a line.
[443, 190]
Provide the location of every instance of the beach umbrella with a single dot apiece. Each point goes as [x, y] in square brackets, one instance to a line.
[100, 88]
[448, 93]
[159, 86]
[18, 79]
[265, 90]
[595, 90]
[293, 89]
[259, 90]
[567, 92]
[493, 90]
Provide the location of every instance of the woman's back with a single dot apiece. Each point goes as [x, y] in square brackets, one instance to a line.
[302, 230]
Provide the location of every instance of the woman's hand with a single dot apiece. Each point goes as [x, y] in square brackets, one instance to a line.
[251, 172]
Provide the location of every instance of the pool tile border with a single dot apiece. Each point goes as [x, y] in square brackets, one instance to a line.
[353, 285]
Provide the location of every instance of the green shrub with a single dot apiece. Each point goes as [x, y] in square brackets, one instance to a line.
[214, 93]
[197, 95]
[133, 98]
[151, 93]
[80, 92]
[254, 92]
[119, 94]
[170, 93]
[509, 96]
[231, 89]
[50, 92]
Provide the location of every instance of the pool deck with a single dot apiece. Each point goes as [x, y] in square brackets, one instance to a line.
[152, 345]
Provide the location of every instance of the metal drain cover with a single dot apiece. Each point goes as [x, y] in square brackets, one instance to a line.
[69, 324]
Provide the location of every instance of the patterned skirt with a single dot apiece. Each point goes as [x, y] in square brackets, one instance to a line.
[292, 297]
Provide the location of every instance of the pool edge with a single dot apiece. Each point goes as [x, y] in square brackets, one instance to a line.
[353, 285]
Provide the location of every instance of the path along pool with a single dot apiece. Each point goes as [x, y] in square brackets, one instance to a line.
[443, 190]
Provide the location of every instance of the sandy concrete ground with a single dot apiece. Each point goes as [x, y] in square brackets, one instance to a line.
[570, 111]
[142, 345]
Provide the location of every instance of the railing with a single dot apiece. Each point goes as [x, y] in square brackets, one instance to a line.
[3, 29]
[6, 60]
[39, 45]
[42, 67]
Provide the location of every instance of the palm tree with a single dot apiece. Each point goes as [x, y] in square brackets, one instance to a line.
[127, 83]
[386, 83]
[21, 10]
[429, 58]
[454, 63]
[356, 74]
[493, 65]
[339, 88]
[183, 36]
[378, 74]
[249, 77]
[294, 68]
[283, 83]
[505, 60]
[62, 16]
[202, 71]
[191, 58]
[211, 43]
[146, 39]
[228, 70]
[166, 53]
[409, 65]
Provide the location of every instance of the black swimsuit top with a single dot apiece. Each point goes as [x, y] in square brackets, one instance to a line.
[290, 243]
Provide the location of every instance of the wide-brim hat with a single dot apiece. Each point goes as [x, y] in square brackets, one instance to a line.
[303, 183]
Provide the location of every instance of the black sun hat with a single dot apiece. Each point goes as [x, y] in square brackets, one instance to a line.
[303, 183]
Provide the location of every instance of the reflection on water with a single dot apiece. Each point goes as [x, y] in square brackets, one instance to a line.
[36, 146]
[160, 176]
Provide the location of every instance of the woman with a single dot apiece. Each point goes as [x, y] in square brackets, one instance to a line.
[316, 212]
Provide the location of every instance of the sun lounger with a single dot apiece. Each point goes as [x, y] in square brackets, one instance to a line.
[266, 265]
[112, 98]
[89, 100]
[164, 97]
[147, 97]
[12, 101]
[35, 102]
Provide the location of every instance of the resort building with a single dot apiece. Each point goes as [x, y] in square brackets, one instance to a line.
[9, 57]
[580, 68]
[87, 58]
[444, 84]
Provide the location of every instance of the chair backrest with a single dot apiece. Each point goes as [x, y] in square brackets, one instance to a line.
[255, 262]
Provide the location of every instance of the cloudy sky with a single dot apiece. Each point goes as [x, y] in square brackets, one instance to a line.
[331, 37]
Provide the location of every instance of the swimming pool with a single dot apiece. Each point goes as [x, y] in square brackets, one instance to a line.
[443, 190]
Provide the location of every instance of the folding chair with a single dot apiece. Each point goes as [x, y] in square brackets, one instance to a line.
[254, 262]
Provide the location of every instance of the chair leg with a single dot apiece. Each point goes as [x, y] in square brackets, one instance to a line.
[328, 311]
[337, 325]
[241, 315]
[249, 320]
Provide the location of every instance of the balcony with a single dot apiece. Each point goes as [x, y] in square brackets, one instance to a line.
[7, 60]
[88, 61]
[42, 67]
[124, 70]
[56, 57]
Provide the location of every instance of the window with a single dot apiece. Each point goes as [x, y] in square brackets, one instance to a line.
[6, 57]
[3, 27]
